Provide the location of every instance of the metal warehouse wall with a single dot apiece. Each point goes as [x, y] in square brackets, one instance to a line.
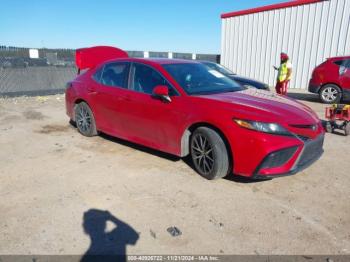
[252, 43]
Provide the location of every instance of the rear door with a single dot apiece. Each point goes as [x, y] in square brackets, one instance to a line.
[109, 95]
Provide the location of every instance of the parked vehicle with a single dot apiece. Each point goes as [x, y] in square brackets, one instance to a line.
[247, 82]
[183, 107]
[331, 80]
[339, 118]
[13, 62]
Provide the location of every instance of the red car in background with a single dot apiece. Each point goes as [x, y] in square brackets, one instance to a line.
[331, 80]
[185, 108]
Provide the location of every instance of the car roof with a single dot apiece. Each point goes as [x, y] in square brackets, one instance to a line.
[170, 61]
[339, 57]
[160, 61]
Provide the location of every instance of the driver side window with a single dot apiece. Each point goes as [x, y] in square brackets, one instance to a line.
[145, 79]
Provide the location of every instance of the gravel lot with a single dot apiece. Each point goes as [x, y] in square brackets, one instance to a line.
[56, 184]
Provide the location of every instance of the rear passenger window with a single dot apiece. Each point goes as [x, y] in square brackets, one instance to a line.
[98, 74]
[347, 63]
[344, 63]
[115, 74]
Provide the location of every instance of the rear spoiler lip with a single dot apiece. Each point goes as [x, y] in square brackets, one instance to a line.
[90, 57]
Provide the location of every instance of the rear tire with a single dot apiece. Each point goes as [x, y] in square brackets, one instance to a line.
[85, 120]
[330, 94]
[209, 154]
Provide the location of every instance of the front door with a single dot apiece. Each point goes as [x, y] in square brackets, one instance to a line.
[153, 122]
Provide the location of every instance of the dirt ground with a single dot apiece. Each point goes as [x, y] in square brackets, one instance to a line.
[59, 190]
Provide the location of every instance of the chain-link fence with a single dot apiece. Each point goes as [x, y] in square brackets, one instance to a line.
[25, 71]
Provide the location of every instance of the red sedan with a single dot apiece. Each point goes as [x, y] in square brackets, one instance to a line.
[186, 108]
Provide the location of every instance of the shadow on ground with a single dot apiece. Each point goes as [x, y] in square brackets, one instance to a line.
[107, 245]
[305, 97]
[244, 180]
[187, 159]
[310, 97]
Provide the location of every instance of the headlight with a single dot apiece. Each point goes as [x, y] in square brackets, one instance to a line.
[270, 128]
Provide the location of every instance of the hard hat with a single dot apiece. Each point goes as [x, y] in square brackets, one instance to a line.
[284, 56]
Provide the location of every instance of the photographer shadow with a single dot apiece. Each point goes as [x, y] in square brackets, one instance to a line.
[107, 245]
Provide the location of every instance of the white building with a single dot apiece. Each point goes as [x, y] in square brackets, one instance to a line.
[309, 31]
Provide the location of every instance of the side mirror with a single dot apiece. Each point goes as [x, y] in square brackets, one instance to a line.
[162, 92]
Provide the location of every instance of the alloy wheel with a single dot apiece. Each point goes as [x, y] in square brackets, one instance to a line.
[83, 119]
[202, 152]
[330, 94]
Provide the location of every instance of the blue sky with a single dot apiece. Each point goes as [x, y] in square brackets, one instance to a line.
[147, 25]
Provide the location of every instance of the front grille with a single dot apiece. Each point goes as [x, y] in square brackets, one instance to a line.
[312, 150]
[278, 158]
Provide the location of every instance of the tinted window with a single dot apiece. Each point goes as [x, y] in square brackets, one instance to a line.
[339, 62]
[147, 78]
[345, 63]
[196, 78]
[219, 68]
[97, 75]
[115, 74]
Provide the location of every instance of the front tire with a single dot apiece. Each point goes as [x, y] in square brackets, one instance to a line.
[209, 153]
[85, 120]
[330, 94]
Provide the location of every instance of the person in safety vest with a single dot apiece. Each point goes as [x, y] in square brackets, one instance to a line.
[284, 74]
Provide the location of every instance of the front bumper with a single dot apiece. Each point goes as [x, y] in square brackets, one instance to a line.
[310, 153]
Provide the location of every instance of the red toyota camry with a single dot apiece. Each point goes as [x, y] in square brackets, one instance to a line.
[185, 108]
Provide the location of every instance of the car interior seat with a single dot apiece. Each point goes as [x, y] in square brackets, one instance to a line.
[143, 81]
[111, 78]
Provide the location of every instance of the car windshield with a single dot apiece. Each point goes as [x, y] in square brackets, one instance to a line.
[199, 79]
[219, 68]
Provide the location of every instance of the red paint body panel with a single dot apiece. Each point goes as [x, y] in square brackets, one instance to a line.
[328, 73]
[140, 118]
[92, 56]
[269, 8]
